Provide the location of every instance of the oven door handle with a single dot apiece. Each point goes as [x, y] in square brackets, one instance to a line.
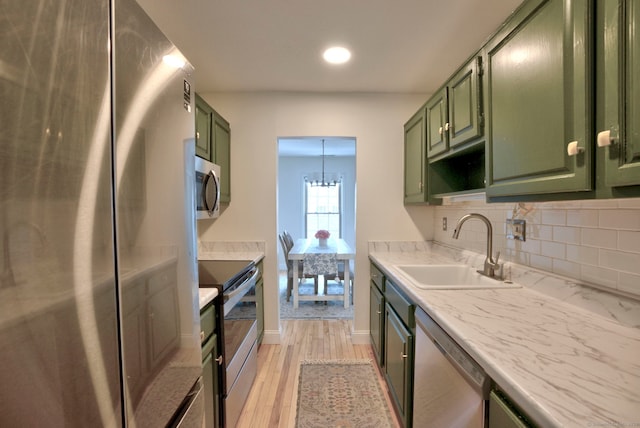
[237, 294]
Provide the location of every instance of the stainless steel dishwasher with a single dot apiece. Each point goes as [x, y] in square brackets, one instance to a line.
[450, 389]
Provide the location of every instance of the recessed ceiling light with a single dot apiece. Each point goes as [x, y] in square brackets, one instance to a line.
[337, 55]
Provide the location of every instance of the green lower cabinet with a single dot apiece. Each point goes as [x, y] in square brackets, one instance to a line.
[210, 383]
[210, 366]
[618, 106]
[502, 414]
[538, 101]
[376, 322]
[398, 364]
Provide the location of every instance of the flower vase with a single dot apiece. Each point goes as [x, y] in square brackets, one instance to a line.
[322, 242]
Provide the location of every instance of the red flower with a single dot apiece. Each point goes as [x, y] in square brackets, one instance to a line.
[322, 234]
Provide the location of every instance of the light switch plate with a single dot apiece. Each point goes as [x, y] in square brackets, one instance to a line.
[517, 229]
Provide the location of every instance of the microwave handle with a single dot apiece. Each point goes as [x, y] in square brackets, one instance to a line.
[215, 181]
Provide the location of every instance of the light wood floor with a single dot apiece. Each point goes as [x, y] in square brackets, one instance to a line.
[272, 401]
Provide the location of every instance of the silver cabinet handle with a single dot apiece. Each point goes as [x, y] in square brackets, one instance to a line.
[378, 312]
[219, 360]
[197, 135]
[403, 355]
[447, 126]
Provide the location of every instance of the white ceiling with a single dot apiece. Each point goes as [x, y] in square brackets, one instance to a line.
[398, 46]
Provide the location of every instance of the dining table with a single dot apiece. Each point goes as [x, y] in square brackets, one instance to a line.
[337, 246]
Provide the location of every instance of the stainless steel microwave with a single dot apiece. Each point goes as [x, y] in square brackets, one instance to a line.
[207, 189]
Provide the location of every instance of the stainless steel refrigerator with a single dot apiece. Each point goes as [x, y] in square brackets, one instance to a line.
[99, 321]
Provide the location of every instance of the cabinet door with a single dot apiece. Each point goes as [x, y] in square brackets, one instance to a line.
[501, 415]
[538, 100]
[398, 360]
[204, 119]
[437, 124]
[376, 322]
[619, 86]
[464, 109]
[415, 186]
[222, 155]
[210, 383]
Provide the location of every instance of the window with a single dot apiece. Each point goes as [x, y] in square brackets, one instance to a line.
[323, 209]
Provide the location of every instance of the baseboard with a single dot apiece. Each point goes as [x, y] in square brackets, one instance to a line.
[360, 337]
[271, 337]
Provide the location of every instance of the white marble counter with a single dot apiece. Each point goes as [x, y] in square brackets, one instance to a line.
[206, 296]
[567, 361]
[231, 250]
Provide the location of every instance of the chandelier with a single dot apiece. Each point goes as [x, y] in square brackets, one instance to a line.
[322, 182]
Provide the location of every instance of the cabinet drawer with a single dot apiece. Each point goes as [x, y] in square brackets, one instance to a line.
[377, 277]
[207, 323]
[208, 346]
[400, 304]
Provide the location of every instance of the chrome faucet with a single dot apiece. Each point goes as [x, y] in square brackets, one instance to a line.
[492, 268]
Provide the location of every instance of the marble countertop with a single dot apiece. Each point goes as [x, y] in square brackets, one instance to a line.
[567, 361]
[206, 296]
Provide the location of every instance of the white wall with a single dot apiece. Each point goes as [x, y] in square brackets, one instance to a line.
[291, 173]
[375, 120]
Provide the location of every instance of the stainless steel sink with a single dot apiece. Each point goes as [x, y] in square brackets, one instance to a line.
[449, 277]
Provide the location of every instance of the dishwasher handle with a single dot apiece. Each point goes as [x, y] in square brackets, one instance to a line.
[462, 361]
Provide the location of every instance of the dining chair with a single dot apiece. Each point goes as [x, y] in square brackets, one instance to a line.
[286, 247]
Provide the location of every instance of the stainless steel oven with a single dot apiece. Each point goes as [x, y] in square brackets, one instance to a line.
[237, 317]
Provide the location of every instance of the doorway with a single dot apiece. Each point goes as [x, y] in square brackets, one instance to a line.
[303, 206]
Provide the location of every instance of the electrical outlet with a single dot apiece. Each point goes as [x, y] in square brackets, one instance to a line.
[444, 223]
[517, 229]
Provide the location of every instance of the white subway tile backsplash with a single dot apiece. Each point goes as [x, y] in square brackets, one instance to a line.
[600, 238]
[541, 262]
[629, 283]
[600, 276]
[620, 260]
[555, 250]
[554, 217]
[584, 218]
[582, 255]
[597, 241]
[563, 267]
[621, 219]
[629, 241]
[569, 235]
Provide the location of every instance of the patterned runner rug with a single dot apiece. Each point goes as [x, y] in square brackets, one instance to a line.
[341, 393]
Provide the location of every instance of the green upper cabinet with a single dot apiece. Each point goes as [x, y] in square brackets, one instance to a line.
[618, 93]
[454, 114]
[204, 121]
[222, 154]
[415, 160]
[539, 101]
[213, 143]
[436, 121]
